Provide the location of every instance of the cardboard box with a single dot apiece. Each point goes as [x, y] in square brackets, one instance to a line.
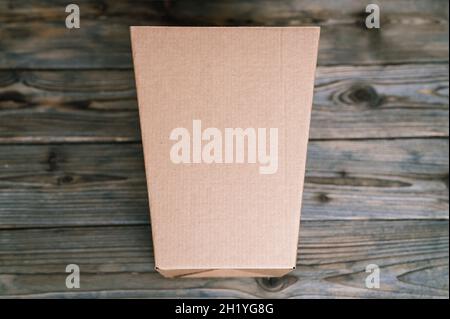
[225, 117]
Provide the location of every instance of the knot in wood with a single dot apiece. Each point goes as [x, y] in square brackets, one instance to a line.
[365, 95]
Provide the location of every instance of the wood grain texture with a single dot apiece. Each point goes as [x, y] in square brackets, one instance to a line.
[84, 184]
[72, 181]
[118, 262]
[92, 106]
[34, 35]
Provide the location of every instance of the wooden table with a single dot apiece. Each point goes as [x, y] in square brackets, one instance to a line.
[72, 185]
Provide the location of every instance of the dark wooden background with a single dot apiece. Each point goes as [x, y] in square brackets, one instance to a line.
[72, 184]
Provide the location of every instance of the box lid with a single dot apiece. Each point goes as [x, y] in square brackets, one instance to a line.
[225, 117]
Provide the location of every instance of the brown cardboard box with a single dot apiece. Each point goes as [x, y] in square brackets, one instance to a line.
[225, 117]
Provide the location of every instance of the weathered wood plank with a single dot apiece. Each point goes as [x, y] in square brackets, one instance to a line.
[90, 184]
[349, 102]
[65, 106]
[394, 101]
[72, 185]
[377, 179]
[118, 262]
[34, 35]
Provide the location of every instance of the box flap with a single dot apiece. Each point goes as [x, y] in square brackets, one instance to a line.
[200, 273]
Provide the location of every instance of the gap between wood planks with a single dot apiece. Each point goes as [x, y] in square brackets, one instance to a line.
[148, 224]
[124, 69]
[133, 141]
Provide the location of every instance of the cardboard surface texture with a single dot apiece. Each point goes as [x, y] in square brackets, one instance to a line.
[225, 117]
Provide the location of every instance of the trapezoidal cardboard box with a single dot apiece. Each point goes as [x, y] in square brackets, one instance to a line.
[225, 117]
